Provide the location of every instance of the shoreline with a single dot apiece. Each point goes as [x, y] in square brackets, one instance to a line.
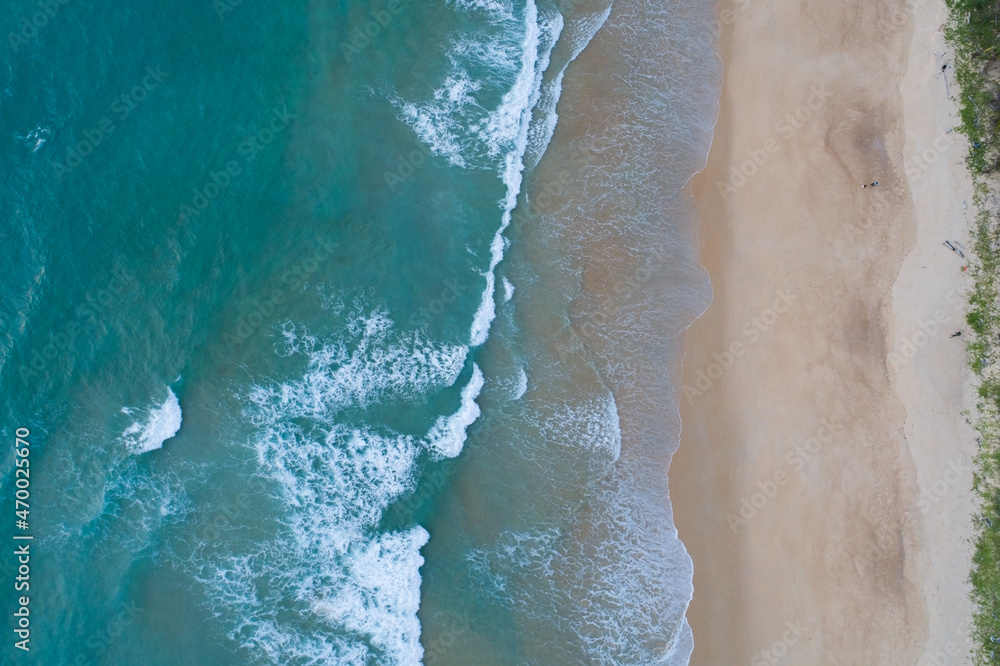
[823, 483]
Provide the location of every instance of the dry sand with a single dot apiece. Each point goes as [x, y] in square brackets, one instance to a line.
[822, 484]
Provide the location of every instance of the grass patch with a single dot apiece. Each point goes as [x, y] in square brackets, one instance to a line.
[973, 32]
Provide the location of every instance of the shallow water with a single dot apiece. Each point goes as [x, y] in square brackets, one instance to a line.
[347, 334]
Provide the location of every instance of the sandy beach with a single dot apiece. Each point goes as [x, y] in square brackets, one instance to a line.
[823, 482]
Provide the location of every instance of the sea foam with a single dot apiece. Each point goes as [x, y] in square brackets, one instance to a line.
[355, 590]
[381, 595]
[161, 424]
[512, 121]
[591, 423]
[579, 32]
[508, 290]
[447, 436]
[455, 125]
[375, 364]
[497, 10]
[522, 384]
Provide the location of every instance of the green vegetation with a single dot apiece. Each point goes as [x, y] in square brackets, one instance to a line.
[973, 31]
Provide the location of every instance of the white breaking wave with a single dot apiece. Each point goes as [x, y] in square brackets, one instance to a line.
[335, 481]
[508, 290]
[37, 137]
[498, 10]
[162, 424]
[437, 124]
[360, 372]
[454, 124]
[330, 563]
[447, 437]
[381, 595]
[522, 384]
[510, 121]
[580, 32]
[514, 118]
[491, 54]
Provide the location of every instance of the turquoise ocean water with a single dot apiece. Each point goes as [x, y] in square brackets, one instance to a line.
[347, 332]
